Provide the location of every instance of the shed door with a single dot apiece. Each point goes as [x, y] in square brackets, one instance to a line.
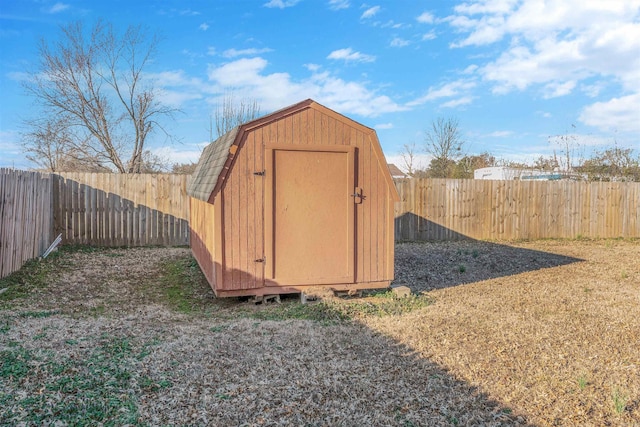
[309, 215]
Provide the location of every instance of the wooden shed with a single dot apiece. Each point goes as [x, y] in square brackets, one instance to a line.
[301, 197]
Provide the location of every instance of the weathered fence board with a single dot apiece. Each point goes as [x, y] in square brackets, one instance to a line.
[121, 210]
[26, 221]
[449, 209]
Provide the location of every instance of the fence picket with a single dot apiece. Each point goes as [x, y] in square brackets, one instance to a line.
[449, 209]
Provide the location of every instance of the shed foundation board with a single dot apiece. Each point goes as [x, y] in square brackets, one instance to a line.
[269, 290]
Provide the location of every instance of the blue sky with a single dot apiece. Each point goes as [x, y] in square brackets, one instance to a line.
[513, 72]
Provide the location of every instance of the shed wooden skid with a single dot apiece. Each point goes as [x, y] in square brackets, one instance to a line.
[296, 199]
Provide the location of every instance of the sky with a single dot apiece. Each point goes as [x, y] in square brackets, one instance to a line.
[517, 75]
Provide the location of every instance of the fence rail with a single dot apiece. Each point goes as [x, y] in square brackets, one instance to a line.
[450, 209]
[26, 220]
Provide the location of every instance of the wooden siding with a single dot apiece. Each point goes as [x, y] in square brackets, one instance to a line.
[242, 240]
[105, 209]
[202, 225]
[26, 218]
[449, 209]
[243, 195]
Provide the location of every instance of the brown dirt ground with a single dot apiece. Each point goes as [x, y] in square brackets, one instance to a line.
[539, 333]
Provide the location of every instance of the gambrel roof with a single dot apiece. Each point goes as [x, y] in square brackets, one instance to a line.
[217, 158]
[210, 166]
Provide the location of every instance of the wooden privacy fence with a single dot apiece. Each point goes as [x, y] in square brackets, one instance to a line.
[451, 209]
[138, 210]
[107, 209]
[26, 217]
[100, 209]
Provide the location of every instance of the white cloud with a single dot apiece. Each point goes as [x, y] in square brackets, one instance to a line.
[211, 51]
[177, 98]
[58, 7]
[470, 69]
[371, 12]
[556, 89]
[617, 114]
[429, 36]
[339, 4]
[9, 141]
[487, 6]
[500, 134]
[189, 154]
[232, 53]
[420, 160]
[204, 26]
[176, 88]
[189, 12]
[349, 55]
[426, 18]
[382, 126]
[448, 90]
[18, 76]
[592, 90]
[247, 77]
[399, 42]
[12, 154]
[465, 100]
[555, 41]
[238, 73]
[281, 4]
[580, 140]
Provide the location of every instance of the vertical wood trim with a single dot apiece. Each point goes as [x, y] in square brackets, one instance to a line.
[268, 214]
[219, 258]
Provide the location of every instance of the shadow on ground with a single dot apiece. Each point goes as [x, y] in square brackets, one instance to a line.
[426, 266]
[244, 372]
[207, 369]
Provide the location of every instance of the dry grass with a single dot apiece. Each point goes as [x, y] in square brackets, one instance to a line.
[560, 345]
[545, 333]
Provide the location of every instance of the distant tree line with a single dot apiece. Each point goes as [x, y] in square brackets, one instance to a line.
[446, 146]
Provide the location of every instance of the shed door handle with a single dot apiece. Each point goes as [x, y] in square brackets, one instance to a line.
[357, 195]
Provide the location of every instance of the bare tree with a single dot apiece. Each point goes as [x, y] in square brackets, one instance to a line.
[408, 155]
[47, 143]
[465, 167]
[549, 163]
[612, 164]
[93, 85]
[184, 168]
[571, 153]
[154, 163]
[231, 113]
[444, 142]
